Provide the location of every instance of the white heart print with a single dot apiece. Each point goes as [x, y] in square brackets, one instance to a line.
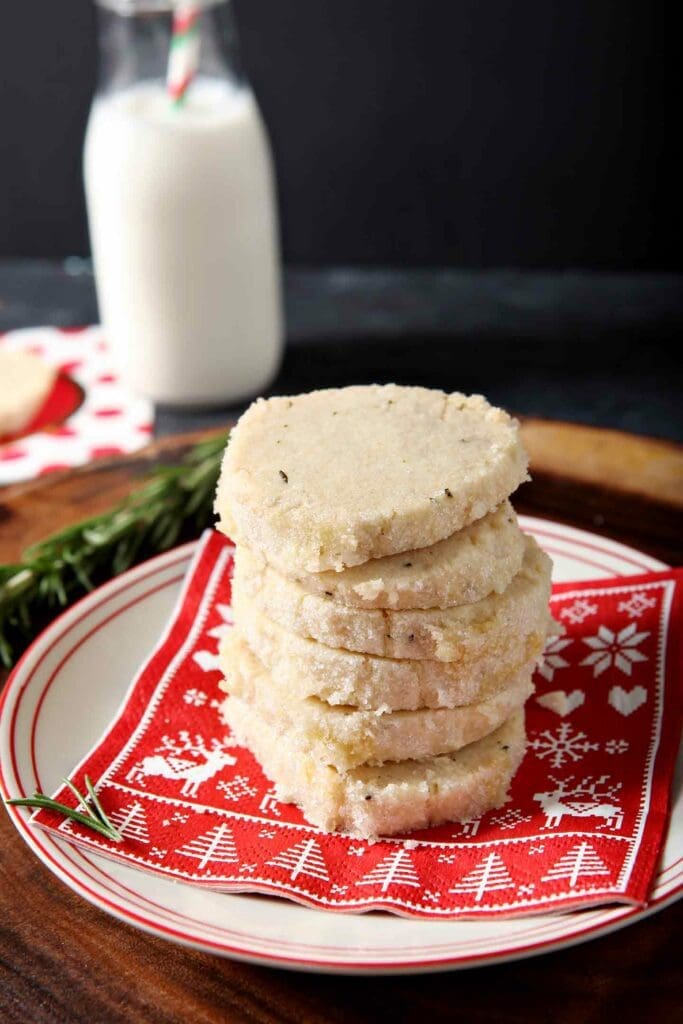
[627, 701]
[562, 703]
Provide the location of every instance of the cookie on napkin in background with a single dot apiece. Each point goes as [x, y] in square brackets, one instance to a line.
[86, 414]
[25, 383]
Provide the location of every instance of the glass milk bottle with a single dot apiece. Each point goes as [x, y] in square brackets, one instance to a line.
[181, 205]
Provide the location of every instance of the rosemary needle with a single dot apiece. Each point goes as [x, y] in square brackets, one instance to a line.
[93, 818]
[175, 504]
[79, 796]
[100, 812]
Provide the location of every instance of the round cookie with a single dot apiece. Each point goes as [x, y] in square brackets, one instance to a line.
[460, 634]
[391, 798]
[476, 561]
[25, 382]
[307, 668]
[329, 479]
[347, 737]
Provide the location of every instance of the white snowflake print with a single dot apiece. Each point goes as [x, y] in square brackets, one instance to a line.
[536, 849]
[196, 698]
[579, 611]
[248, 869]
[562, 745]
[355, 851]
[525, 890]
[431, 895]
[446, 858]
[156, 852]
[510, 819]
[339, 890]
[552, 659]
[267, 833]
[614, 648]
[237, 788]
[637, 604]
[616, 746]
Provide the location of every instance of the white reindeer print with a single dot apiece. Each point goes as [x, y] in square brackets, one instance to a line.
[167, 763]
[591, 798]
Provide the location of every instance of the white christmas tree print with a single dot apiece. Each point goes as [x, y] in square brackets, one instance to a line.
[304, 858]
[396, 869]
[579, 861]
[131, 822]
[490, 874]
[614, 648]
[552, 659]
[216, 846]
[637, 604]
[562, 744]
[577, 612]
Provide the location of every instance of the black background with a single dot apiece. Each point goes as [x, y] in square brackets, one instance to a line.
[534, 133]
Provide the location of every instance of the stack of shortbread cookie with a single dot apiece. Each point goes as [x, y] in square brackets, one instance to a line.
[388, 610]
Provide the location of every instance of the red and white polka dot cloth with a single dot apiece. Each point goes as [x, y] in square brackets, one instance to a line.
[90, 414]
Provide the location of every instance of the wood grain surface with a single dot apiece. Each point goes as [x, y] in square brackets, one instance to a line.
[63, 961]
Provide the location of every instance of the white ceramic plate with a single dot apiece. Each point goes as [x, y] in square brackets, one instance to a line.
[67, 688]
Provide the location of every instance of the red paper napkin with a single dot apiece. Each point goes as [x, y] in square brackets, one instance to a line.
[584, 824]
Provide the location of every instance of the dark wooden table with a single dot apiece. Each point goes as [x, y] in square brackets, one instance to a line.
[63, 961]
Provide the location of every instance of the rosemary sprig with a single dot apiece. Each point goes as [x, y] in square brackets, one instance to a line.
[92, 816]
[174, 505]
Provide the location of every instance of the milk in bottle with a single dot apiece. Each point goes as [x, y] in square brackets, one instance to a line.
[181, 211]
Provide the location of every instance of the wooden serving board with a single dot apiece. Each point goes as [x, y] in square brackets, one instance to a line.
[63, 960]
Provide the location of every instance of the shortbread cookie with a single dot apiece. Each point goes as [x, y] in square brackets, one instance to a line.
[311, 669]
[461, 634]
[346, 737]
[478, 560]
[332, 478]
[390, 799]
[25, 382]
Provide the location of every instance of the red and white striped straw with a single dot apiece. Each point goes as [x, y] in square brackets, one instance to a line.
[183, 57]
